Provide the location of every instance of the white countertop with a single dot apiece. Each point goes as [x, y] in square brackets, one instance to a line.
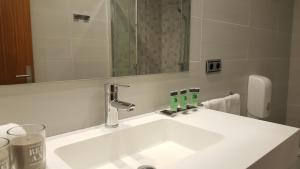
[246, 141]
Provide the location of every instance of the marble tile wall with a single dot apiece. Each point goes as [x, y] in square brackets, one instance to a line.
[149, 32]
[172, 39]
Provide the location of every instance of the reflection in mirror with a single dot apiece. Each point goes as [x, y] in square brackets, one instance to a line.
[56, 40]
[150, 36]
[53, 40]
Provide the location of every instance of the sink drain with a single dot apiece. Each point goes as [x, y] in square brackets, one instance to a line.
[146, 167]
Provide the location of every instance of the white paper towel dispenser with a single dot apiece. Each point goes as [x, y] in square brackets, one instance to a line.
[259, 96]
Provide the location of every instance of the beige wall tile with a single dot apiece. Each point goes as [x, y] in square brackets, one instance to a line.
[293, 117]
[283, 45]
[51, 48]
[90, 68]
[197, 9]
[294, 70]
[279, 96]
[296, 20]
[264, 14]
[77, 101]
[233, 11]
[96, 30]
[295, 52]
[262, 44]
[275, 69]
[195, 45]
[294, 93]
[285, 15]
[40, 69]
[59, 7]
[60, 69]
[51, 25]
[90, 49]
[97, 9]
[225, 41]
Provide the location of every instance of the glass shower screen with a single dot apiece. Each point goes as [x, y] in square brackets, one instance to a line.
[150, 36]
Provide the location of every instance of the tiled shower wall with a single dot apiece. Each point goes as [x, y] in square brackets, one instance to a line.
[123, 37]
[250, 36]
[149, 32]
[172, 42]
[159, 31]
[293, 113]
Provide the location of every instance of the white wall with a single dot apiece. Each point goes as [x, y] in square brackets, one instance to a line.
[251, 36]
[64, 49]
[293, 114]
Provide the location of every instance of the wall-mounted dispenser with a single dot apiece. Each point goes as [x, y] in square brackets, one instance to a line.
[259, 97]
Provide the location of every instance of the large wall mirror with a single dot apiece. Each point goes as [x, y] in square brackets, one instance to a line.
[57, 40]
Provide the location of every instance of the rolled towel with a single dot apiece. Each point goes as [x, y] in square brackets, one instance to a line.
[233, 104]
[216, 104]
[5, 128]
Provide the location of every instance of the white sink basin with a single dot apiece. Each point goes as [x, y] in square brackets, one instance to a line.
[160, 143]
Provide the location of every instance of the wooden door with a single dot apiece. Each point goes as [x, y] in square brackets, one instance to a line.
[16, 56]
[2, 71]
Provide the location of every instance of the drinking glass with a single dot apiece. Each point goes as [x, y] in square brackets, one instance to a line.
[4, 153]
[27, 145]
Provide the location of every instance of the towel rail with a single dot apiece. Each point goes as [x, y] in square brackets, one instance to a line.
[231, 93]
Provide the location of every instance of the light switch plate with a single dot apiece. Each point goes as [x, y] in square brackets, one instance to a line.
[213, 66]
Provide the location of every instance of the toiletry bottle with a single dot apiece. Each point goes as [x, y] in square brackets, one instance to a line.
[183, 99]
[194, 97]
[173, 101]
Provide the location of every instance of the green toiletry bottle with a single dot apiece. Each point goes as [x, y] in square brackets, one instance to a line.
[183, 99]
[173, 101]
[194, 96]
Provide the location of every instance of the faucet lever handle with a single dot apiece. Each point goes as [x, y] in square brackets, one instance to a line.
[116, 85]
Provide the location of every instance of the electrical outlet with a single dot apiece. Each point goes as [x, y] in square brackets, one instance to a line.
[213, 66]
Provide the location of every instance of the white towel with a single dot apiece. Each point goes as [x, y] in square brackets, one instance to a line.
[230, 104]
[233, 104]
[216, 104]
[5, 128]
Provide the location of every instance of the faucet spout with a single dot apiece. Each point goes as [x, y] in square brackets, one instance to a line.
[113, 105]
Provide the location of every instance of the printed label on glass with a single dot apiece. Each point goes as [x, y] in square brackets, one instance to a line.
[36, 153]
[4, 164]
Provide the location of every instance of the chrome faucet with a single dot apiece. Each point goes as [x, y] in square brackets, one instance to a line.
[113, 105]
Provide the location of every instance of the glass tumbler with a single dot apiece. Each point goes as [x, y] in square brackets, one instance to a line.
[4, 153]
[27, 146]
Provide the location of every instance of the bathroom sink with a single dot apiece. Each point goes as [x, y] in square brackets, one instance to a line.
[160, 143]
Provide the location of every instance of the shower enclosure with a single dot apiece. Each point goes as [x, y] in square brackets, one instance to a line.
[150, 36]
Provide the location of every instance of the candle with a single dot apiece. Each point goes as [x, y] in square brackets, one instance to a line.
[28, 152]
[27, 147]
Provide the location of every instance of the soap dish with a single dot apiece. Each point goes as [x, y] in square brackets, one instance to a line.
[189, 107]
[179, 110]
[169, 113]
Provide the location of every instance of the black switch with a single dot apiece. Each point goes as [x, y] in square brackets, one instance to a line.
[213, 66]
